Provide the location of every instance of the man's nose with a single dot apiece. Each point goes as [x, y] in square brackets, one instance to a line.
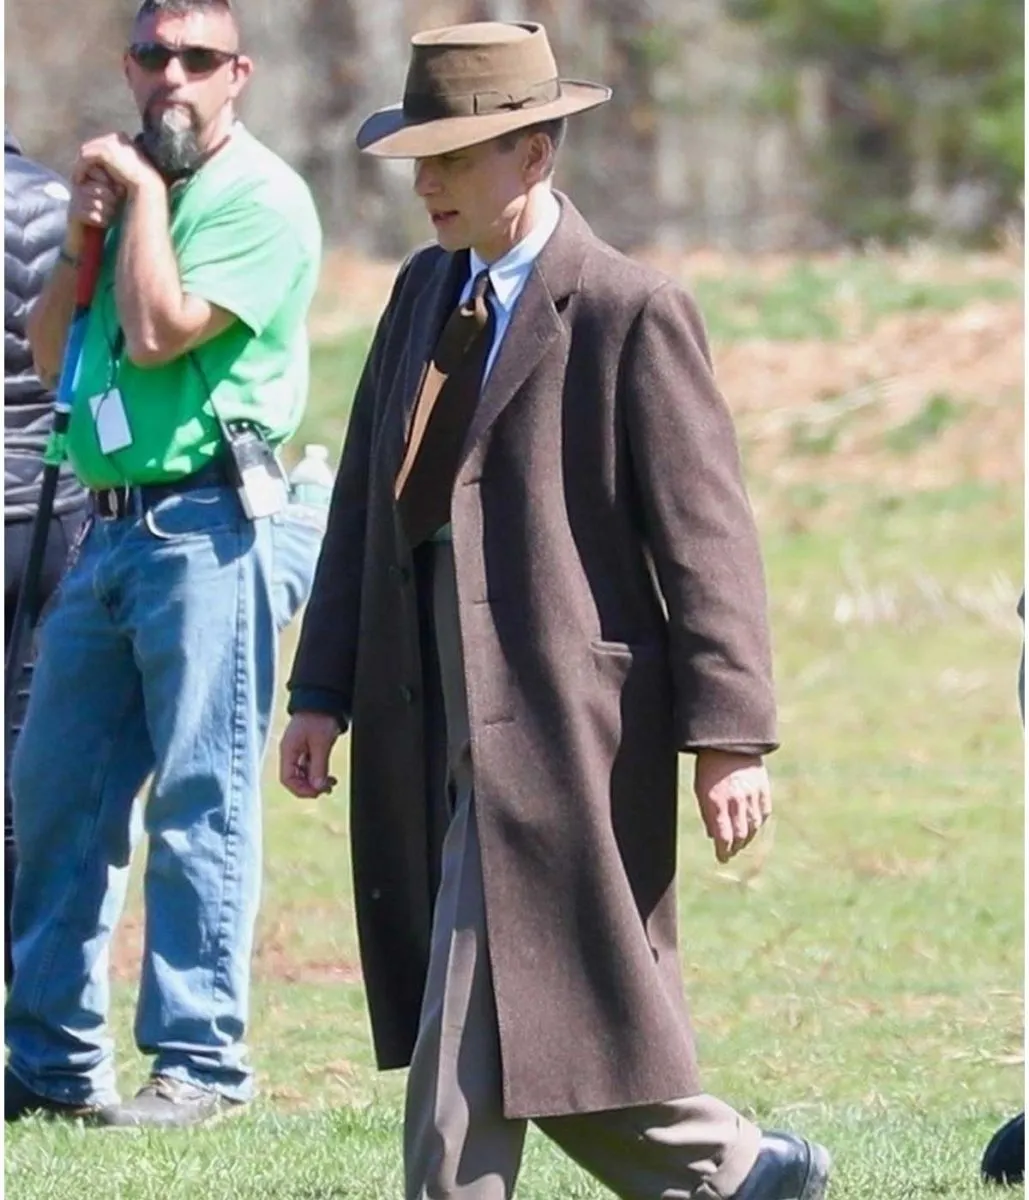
[426, 178]
[174, 72]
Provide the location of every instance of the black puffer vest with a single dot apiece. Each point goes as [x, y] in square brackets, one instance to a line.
[35, 215]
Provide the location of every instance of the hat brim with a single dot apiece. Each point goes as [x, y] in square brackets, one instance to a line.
[389, 133]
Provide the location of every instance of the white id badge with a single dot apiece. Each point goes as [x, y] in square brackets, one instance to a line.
[112, 421]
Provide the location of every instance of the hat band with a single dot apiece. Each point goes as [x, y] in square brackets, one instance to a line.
[438, 106]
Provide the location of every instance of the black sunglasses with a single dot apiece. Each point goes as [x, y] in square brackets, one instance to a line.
[196, 60]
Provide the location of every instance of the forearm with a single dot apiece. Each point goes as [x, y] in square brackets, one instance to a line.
[52, 313]
[147, 284]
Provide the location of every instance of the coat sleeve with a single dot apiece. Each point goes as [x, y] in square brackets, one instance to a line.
[322, 678]
[700, 530]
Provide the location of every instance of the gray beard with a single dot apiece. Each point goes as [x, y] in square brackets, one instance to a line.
[170, 140]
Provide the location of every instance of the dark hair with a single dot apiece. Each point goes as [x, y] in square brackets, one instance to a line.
[555, 130]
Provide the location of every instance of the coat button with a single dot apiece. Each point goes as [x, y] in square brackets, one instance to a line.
[408, 694]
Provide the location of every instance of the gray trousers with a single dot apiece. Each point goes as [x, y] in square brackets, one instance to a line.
[458, 1145]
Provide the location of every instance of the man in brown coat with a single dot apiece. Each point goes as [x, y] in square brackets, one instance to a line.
[540, 583]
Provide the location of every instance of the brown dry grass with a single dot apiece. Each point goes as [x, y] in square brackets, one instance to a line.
[868, 385]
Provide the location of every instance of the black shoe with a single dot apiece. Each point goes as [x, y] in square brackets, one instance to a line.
[787, 1168]
[21, 1101]
[165, 1103]
[1004, 1160]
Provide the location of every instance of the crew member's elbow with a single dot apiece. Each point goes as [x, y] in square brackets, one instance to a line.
[46, 367]
[149, 352]
[171, 335]
[49, 379]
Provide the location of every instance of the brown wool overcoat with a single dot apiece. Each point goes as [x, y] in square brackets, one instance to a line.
[613, 613]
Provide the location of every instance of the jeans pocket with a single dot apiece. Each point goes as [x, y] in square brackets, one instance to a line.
[194, 514]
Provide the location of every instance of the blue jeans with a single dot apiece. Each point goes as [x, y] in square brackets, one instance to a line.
[159, 656]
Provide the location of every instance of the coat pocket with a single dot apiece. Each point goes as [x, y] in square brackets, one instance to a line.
[635, 677]
[628, 650]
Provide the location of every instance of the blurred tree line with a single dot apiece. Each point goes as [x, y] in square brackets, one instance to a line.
[918, 123]
[751, 124]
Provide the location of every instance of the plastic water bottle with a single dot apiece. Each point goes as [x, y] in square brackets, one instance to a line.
[311, 480]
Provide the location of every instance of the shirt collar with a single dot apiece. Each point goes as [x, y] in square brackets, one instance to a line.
[508, 275]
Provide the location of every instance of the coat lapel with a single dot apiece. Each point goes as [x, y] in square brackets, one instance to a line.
[428, 316]
[536, 321]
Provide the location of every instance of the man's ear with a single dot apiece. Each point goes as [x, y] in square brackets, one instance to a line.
[538, 156]
[242, 69]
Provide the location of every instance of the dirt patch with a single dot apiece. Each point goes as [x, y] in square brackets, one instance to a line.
[847, 411]
[976, 352]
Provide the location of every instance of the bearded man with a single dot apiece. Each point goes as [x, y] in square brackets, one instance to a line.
[159, 655]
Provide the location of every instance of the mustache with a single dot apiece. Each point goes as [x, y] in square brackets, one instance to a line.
[163, 96]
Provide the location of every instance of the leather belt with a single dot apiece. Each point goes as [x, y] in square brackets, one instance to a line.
[114, 503]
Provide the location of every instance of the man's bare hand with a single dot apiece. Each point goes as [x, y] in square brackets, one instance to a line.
[735, 798]
[304, 754]
[115, 154]
[95, 202]
[107, 170]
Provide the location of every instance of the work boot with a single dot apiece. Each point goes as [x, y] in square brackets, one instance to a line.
[166, 1103]
[21, 1101]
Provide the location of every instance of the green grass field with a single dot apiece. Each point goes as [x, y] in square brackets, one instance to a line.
[857, 974]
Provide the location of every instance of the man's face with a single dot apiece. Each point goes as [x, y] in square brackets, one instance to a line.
[183, 103]
[475, 197]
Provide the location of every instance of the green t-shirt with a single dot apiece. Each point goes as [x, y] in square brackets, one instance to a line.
[247, 238]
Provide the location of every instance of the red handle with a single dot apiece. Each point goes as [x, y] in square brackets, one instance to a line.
[89, 266]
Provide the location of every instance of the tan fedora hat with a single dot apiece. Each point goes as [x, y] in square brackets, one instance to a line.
[470, 83]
